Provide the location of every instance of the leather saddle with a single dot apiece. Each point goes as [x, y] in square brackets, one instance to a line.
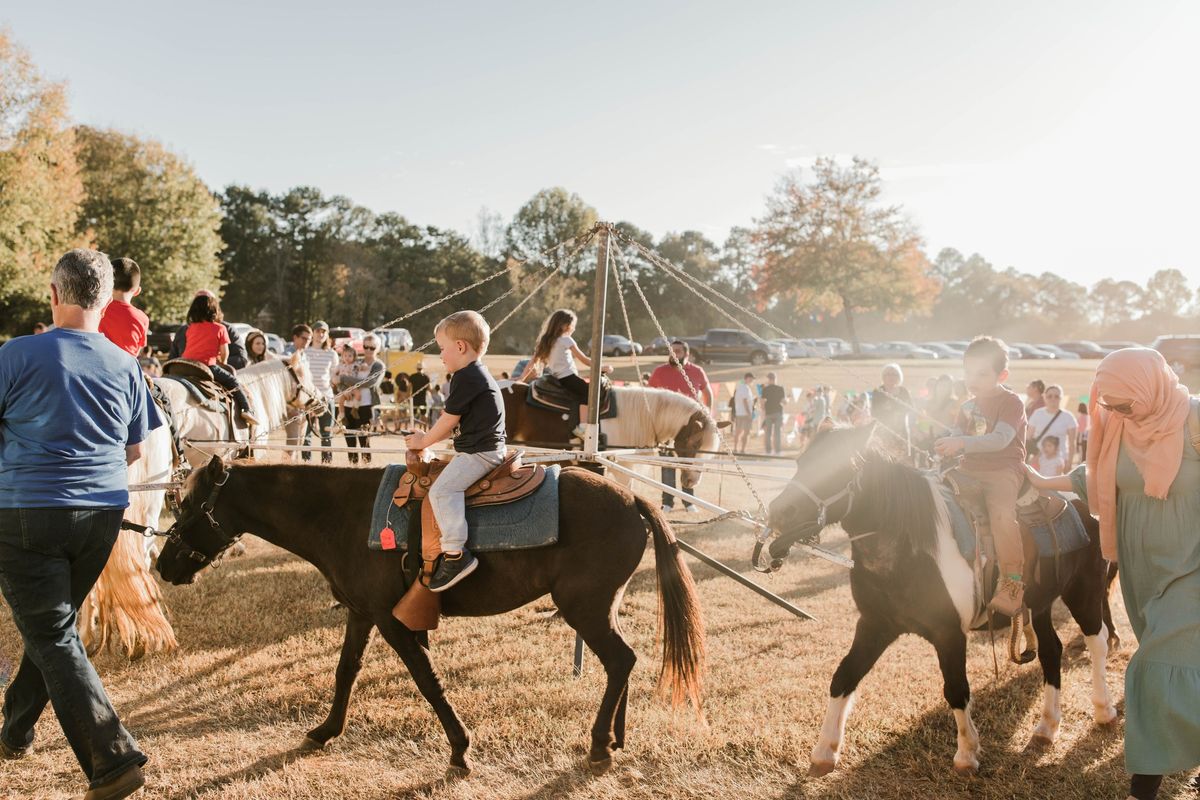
[548, 391]
[510, 481]
[205, 389]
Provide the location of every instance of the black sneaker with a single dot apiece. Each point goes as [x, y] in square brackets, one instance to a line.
[451, 570]
[9, 752]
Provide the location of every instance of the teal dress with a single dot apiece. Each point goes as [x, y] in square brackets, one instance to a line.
[1158, 547]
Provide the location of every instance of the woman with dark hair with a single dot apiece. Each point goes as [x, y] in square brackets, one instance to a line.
[208, 343]
[256, 348]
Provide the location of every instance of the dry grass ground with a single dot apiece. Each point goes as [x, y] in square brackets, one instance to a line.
[259, 642]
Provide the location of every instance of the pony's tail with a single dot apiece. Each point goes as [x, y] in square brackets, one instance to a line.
[125, 606]
[681, 623]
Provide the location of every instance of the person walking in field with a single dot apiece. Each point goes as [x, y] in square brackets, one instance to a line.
[680, 375]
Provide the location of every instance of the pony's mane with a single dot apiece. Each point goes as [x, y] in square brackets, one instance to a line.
[269, 383]
[901, 500]
[669, 411]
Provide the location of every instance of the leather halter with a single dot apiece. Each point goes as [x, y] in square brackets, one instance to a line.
[207, 508]
[823, 505]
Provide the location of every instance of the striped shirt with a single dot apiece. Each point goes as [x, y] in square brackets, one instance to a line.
[321, 364]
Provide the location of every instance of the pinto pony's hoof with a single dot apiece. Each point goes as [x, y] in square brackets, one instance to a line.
[311, 745]
[819, 769]
[967, 770]
[456, 773]
[1039, 743]
[1106, 715]
[598, 768]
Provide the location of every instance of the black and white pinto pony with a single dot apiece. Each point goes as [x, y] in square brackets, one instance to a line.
[910, 577]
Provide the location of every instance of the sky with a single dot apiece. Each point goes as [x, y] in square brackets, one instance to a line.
[1046, 136]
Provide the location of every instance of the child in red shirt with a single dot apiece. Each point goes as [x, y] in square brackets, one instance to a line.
[208, 343]
[123, 324]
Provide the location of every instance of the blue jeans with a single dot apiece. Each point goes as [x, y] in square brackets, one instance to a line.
[668, 477]
[49, 561]
[323, 422]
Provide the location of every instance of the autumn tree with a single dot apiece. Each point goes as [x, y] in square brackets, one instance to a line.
[551, 216]
[1166, 294]
[1113, 302]
[40, 188]
[831, 245]
[146, 203]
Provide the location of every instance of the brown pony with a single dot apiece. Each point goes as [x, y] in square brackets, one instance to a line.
[323, 514]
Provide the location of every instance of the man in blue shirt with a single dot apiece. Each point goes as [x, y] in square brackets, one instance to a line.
[73, 414]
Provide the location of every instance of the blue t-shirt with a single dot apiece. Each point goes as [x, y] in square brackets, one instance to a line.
[70, 402]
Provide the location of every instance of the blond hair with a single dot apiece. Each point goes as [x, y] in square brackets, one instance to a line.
[469, 326]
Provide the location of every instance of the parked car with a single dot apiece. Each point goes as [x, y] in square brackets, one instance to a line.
[830, 347]
[161, 337]
[275, 343]
[901, 350]
[795, 348]
[1084, 349]
[240, 329]
[659, 346]
[727, 344]
[616, 345]
[394, 338]
[1181, 352]
[518, 368]
[942, 349]
[1033, 351]
[351, 336]
[1119, 345]
[1059, 353]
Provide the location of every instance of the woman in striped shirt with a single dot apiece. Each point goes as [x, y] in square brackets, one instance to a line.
[322, 359]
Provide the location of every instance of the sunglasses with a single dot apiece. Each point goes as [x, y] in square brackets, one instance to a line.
[368, 348]
[1123, 408]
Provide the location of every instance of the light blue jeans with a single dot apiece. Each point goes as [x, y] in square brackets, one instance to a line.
[448, 498]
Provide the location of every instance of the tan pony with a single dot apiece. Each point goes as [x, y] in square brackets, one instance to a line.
[126, 607]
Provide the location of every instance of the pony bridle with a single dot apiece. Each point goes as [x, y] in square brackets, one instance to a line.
[207, 508]
[808, 530]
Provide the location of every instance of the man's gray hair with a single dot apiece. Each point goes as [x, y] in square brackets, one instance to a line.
[83, 278]
[895, 368]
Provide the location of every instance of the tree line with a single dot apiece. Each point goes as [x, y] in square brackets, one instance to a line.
[826, 258]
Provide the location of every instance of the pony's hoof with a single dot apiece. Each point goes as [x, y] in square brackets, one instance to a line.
[1039, 743]
[457, 773]
[598, 768]
[1106, 716]
[311, 745]
[819, 769]
[967, 766]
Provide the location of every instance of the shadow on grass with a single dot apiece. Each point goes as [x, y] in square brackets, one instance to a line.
[917, 762]
[258, 769]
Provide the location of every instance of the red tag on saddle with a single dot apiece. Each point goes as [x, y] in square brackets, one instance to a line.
[387, 538]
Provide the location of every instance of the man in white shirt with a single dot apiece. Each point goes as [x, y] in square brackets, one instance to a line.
[1053, 420]
[744, 397]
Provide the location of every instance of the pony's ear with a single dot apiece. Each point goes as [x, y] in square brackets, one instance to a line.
[725, 423]
[215, 466]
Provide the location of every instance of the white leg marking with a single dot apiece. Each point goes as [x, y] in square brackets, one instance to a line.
[1047, 728]
[829, 744]
[1097, 647]
[956, 572]
[966, 760]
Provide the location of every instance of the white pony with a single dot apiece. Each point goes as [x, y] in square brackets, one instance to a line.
[125, 606]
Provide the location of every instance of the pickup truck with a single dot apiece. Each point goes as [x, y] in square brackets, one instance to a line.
[727, 344]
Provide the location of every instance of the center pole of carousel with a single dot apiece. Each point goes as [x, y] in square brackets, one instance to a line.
[591, 441]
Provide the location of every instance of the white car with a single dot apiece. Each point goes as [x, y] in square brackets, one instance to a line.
[798, 349]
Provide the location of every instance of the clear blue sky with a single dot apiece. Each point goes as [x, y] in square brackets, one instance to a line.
[1047, 136]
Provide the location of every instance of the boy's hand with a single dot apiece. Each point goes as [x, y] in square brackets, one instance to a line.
[948, 446]
[415, 441]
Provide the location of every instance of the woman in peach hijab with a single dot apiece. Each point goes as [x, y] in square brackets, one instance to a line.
[1142, 480]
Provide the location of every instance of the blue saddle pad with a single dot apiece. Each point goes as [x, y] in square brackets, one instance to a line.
[529, 522]
[1068, 528]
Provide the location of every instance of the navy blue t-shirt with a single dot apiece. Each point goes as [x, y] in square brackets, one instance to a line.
[475, 397]
[70, 401]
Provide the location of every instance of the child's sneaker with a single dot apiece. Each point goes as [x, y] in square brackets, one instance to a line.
[451, 570]
[580, 432]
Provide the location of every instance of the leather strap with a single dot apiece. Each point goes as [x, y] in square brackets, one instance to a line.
[1194, 423]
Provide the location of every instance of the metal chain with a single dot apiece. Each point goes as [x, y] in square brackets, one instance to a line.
[680, 275]
[629, 330]
[725, 445]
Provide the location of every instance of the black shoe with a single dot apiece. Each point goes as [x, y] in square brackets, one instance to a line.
[451, 570]
[13, 753]
[122, 786]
